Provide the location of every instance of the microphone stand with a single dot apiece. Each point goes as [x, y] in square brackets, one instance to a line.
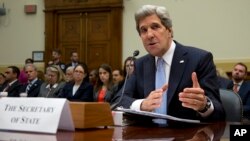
[113, 107]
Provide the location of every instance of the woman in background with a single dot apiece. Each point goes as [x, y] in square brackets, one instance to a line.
[54, 82]
[80, 88]
[103, 91]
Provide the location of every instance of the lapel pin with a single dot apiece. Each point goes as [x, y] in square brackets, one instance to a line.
[182, 61]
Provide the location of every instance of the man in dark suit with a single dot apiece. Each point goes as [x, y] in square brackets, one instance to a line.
[242, 87]
[34, 84]
[74, 59]
[12, 73]
[190, 88]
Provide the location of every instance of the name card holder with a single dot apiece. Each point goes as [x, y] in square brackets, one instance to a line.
[91, 114]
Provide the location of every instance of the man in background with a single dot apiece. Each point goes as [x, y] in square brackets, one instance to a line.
[12, 88]
[56, 55]
[241, 87]
[74, 59]
[32, 88]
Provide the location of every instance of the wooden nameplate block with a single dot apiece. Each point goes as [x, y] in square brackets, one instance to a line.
[91, 114]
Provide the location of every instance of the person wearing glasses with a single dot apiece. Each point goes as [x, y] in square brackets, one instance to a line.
[80, 89]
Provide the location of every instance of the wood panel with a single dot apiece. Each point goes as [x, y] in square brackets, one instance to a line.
[92, 28]
[98, 53]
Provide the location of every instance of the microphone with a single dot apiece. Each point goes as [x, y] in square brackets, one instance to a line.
[135, 53]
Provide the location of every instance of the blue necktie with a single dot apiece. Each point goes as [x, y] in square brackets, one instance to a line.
[160, 80]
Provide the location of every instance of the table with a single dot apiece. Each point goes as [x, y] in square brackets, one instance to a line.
[114, 133]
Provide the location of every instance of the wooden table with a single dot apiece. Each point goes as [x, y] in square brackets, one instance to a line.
[192, 133]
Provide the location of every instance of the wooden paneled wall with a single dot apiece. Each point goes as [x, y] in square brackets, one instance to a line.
[228, 65]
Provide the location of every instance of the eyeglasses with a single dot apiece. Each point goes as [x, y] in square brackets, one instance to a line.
[129, 65]
[78, 71]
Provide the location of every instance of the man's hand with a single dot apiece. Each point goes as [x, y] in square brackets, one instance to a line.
[194, 97]
[154, 99]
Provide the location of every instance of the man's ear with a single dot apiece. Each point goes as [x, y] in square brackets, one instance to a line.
[170, 32]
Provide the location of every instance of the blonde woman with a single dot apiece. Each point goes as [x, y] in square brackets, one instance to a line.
[54, 82]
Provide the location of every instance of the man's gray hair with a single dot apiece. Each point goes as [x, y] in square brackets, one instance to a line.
[148, 10]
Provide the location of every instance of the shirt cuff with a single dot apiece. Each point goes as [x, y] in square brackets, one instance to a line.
[136, 105]
[209, 111]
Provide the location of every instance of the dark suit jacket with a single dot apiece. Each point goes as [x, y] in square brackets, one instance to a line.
[185, 61]
[3, 86]
[84, 92]
[244, 93]
[224, 82]
[34, 89]
[13, 90]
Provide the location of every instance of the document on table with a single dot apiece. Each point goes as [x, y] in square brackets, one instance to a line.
[157, 115]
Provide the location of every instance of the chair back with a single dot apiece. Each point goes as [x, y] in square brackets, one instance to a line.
[232, 105]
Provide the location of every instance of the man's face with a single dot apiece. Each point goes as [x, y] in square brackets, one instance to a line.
[239, 73]
[10, 76]
[31, 73]
[55, 55]
[117, 77]
[74, 57]
[155, 36]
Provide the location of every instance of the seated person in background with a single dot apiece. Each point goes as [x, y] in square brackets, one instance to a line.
[242, 87]
[103, 90]
[12, 73]
[69, 74]
[117, 76]
[34, 84]
[23, 78]
[223, 79]
[129, 66]
[79, 89]
[93, 76]
[172, 79]
[54, 82]
[2, 81]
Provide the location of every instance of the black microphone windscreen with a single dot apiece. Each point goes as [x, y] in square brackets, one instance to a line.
[136, 53]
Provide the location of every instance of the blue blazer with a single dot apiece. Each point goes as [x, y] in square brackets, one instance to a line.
[34, 89]
[244, 93]
[185, 61]
[84, 92]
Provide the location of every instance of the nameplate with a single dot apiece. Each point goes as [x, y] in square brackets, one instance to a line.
[45, 115]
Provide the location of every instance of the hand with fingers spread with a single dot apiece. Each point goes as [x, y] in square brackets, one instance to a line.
[154, 99]
[194, 97]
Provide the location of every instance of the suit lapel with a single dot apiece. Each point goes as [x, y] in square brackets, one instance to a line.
[149, 75]
[179, 63]
[243, 88]
[33, 86]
